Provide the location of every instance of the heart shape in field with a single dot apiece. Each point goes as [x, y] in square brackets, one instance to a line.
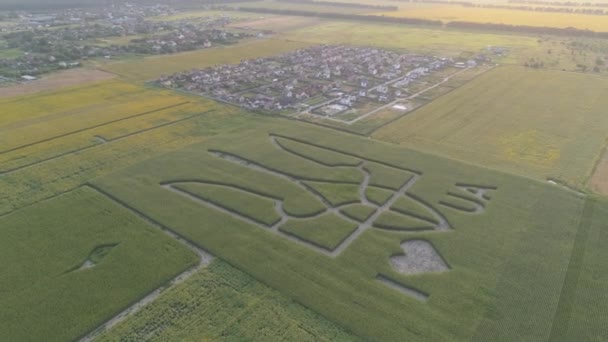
[420, 257]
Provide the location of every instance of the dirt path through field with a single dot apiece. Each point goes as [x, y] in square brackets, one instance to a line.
[204, 260]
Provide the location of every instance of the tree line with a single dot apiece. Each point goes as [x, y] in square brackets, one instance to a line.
[343, 4]
[568, 31]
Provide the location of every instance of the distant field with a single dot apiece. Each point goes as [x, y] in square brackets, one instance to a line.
[56, 81]
[53, 142]
[312, 7]
[441, 42]
[223, 303]
[447, 13]
[537, 123]
[276, 23]
[42, 126]
[520, 238]
[45, 294]
[153, 67]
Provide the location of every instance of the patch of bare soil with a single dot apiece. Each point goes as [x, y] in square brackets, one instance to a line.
[56, 80]
[599, 179]
[420, 257]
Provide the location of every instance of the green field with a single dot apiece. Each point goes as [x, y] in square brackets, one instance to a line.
[492, 254]
[45, 294]
[465, 219]
[545, 124]
[223, 303]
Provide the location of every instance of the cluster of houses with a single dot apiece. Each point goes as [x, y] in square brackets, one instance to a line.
[48, 49]
[112, 14]
[323, 80]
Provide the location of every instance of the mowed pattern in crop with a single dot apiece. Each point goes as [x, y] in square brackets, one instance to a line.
[47, 296]
[525, 223]
[535, 122]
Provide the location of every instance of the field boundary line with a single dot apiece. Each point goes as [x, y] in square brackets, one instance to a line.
[205, 258]
[373, 130]
[561, 319]
[39, 201]
[596, 164]
[107, 141]
[92, 127]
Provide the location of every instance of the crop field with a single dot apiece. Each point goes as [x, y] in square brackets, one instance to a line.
[221, 302]
[515, 119]
[312, 7]
[39, 128]
[474, 234]
[153, 67]
[559, 53]
[423, 40]
[56, 267]
[461, 209]
[447, 13]
[112, 125]
[56, 81]
[275, 23]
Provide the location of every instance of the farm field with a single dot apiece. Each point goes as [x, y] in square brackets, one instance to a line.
[515, 119]
[368, 190]
[56, 267]
[153, 67]
[56, 81]
[221, 302]
[312, 7]
[453, 12]
[408, 38]
[276, 23]
[559, 53]
[44, 126]
[448, 13]
[486, 226]
[86, 132]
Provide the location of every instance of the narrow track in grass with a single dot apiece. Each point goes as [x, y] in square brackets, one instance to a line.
[205, 259]
[92, 127]
[101, 142]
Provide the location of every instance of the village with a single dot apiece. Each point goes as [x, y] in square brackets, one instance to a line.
[325, 80]
[66, 39]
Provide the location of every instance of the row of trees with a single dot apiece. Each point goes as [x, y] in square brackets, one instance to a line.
[561, 3]
[375, 18]
[344, 4]
[569, 31]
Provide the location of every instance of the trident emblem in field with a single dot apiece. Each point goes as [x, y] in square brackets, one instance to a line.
[418, 216]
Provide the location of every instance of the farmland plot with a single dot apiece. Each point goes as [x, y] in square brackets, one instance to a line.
[63, 257]
[545, 124]
[223, 303]
[449, 252]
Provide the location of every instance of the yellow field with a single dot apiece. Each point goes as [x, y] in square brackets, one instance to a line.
[66, 162]
[52, 148]
[48, 103]
[434, 41]
[534, 122]
[49, 115]
[447, 13]
[156, 66]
